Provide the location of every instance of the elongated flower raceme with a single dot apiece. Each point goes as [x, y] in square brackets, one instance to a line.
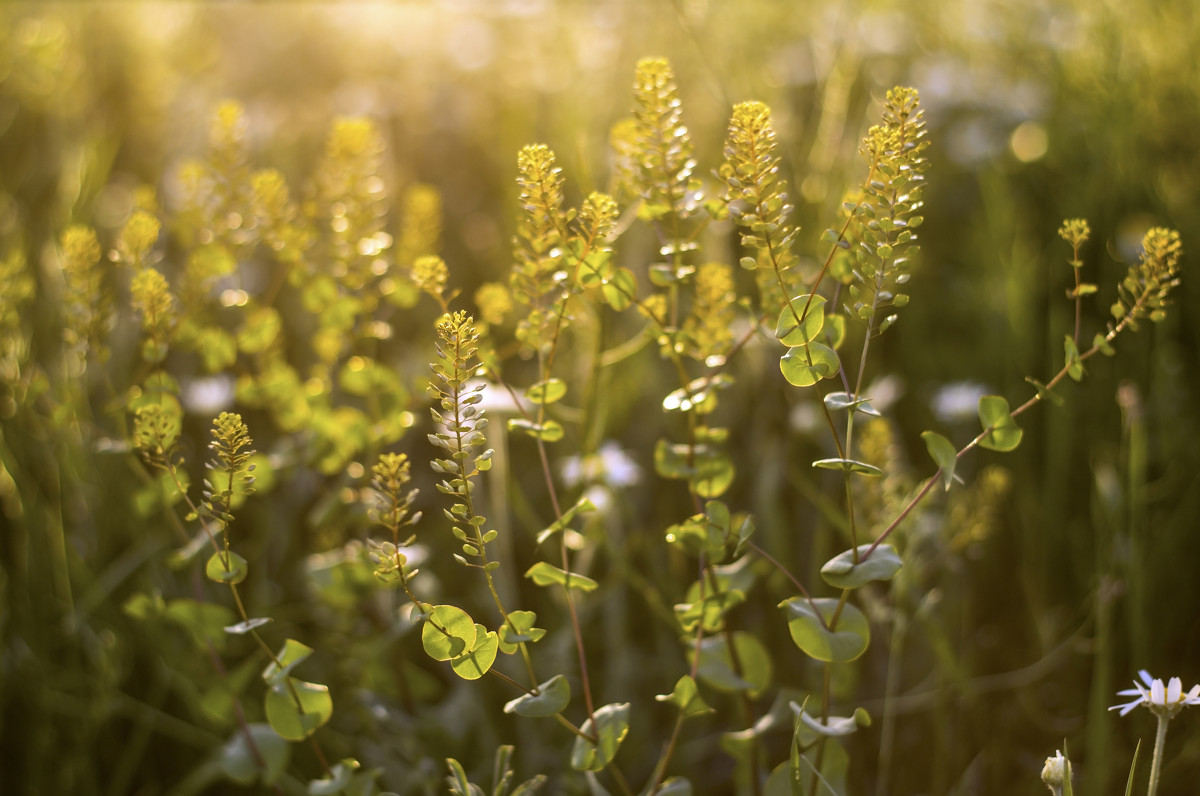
[1164, 700]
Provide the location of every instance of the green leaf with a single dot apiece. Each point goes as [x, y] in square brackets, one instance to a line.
[610, 728]
[800, 372]
[620, 289]
[699, 395]
[1101, 342]
[835, 401]
[714, 472]
[1003, 433]
[792, 332]
[206, 622]
[1132, 769]
[716, 663]
[547, 392]
[671, 460]
[545, 574]
[297, 722]
[226, 568]
[842, 573]
[686, 696]
[712, 610]
[459, 784]
[561, 524]
[674, 786]
[833, 726]
[811, 634]
[260, 330]
[241, 764]
[665, 274]
[1074, 363]
[338, 780]
[525, 631]
[241, 628]
[944, 455]
[835, 331]
[474, 663]
[552, 697]
[162, 493]
[1044, 393]
[448, 632]
[549, 431]
[289, 656]
[848, 466]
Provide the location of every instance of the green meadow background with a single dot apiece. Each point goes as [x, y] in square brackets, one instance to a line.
[1029, 600]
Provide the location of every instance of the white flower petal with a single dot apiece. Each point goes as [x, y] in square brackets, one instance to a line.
[1158, 693]
[1128, 706]
[1174, 690]
[1146, 678]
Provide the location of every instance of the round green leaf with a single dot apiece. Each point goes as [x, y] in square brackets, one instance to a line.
[260, 330]
[801, 372]
[293, 721]
[289, 656]
[835, 330]
[835, 401]
[716, 664]
[846, 642]
[448, 632]
[474, 664]
[795, 329]
[547, 392]
[240, 764]
[686, 696]
[842, 573]
[714, 473]
[1003, 433]
[620, 289]
[226, 568]
[610, 728]
[518, 629]
[552, 697]
[550, 431]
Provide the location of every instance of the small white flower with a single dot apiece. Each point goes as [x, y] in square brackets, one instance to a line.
[610, 465]
[1164, 700]
[1056, 771]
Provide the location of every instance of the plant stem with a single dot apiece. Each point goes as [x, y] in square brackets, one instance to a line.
[1160, 740]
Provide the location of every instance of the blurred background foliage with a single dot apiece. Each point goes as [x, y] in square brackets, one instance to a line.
[1029, 597]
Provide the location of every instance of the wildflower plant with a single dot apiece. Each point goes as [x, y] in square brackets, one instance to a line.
[294, 292]
[1165, 702]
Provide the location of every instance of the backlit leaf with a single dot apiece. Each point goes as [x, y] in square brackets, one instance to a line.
[943, 453]
[686, 696]
[842, 572]
[448, 632]
[552, 697]
[610, 728]
[810, 631]
[804, 366]
[545, 574]
[226, 567]
[796, 327]
[295, 709]
[1003, 433]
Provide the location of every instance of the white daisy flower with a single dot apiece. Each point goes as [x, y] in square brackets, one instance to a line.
[1164, 700]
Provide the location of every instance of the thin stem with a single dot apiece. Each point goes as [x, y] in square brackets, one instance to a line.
[1160, 740]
